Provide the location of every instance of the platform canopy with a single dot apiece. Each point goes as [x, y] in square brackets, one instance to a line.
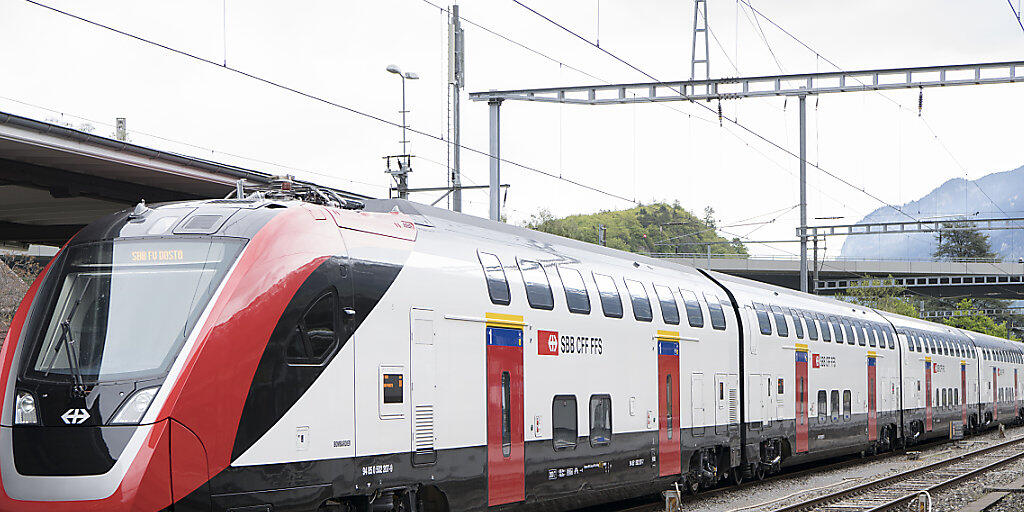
[54, 179]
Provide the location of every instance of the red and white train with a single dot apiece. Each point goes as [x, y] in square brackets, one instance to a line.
[276, 354]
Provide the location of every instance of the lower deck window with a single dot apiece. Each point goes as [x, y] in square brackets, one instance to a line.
[563, 422]
[600, 420]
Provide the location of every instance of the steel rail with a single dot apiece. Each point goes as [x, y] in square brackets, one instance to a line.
[881, 484]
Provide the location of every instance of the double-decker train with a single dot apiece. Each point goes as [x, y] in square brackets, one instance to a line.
[290, 351]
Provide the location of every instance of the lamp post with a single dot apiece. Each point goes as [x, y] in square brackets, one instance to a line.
[404, 167]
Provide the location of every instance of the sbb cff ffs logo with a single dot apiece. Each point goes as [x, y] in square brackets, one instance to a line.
[547, 343]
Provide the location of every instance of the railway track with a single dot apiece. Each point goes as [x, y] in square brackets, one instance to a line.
[892, 491]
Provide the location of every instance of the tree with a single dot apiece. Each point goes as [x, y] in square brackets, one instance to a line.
[957, 241]
[882, 295]
[658, 227]
[709, 217]
[972, 321]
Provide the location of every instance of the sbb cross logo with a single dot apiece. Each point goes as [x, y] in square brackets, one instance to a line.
[814, 361]
[547, 343]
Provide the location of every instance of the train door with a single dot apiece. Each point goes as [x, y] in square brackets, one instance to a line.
[697, 402]
[995, 393]
[721, 404]
[424, 376]
[506, 480]
[801, 398]
[668, 408]
[963, 392]
[755, 401]
[927, 394]
[872, 397]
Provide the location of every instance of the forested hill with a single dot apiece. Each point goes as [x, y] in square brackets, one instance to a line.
[644, 229]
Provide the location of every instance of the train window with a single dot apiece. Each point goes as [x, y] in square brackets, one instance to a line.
[835, 405]
[781, 327]
[945, 398]
[762, 319]
[715, 311]
[826, 333]
[577, 299]
[314, 338]
[911, 341]
[859, 332]
[873, 336]
[641, 302]
[822, 406]
[694, 315]
[781, 388]
[847, 405]
[538, 289]
[611, 303]
[600, 420]
[563, 422]
[890, 335]
[506, 415]
[848, 331]
[836, 328]
[669, 309]
[812, 327]
[798, 324]
[497, 284]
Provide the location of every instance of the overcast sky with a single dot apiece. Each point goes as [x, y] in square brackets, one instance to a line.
[55, 67]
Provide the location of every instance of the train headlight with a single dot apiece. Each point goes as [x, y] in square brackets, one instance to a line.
[133, 409]
[25, 409]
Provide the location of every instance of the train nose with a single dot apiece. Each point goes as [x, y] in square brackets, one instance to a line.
[145, 467]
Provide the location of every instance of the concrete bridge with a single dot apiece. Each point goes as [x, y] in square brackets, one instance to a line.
[978, 278]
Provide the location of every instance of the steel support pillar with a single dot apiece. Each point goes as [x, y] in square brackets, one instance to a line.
[495, 150]
[803, 193]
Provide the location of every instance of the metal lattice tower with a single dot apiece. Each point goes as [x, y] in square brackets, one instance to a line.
[700, 28]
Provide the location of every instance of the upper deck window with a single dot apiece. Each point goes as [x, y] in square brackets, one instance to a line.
[798, 324]
[576, 296]
[715, 311]
[611, 303]
[837, 328]
[848, 331]
[538, 289]
[669, 309]
[497, 283]
[641, 302]
[762, 319]
[826, 333]
[812, 325]
[781, 327]
[694, 315]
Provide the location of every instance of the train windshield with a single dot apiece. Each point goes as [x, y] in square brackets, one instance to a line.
[123, 308]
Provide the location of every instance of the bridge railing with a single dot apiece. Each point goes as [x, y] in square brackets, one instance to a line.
[787, 257]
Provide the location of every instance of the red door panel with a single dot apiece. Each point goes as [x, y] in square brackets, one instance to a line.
[995, 393]
[506, 471]
[801, 400]
[872, 399]
[963, 392]
[668, 408]
[927, 394]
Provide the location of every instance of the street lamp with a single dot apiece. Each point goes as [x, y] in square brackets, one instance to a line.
[407, 75]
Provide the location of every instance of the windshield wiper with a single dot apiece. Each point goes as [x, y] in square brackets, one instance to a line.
[67, 340]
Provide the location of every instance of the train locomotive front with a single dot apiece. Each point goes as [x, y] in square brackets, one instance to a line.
[136, 367]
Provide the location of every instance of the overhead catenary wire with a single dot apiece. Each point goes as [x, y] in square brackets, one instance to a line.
[725, 117]
[1016, 14]
[320, 99]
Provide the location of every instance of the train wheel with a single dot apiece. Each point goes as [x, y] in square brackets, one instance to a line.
[737, 475]
[759, 472]
[692, 484]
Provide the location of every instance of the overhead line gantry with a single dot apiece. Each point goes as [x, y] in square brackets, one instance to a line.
[798, 85]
